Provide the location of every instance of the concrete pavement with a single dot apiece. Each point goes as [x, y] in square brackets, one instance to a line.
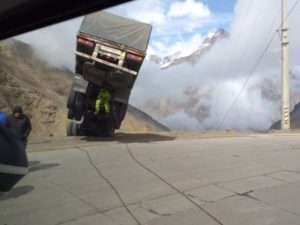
[251, 180]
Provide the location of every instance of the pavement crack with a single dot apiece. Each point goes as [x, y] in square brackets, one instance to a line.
[97, 211]
[248, 195]
[110, 184]
[170, 185]
[72, 194]
[154, 211]
[219, 184]
[276, 178]
[75, 219]
[195, 197]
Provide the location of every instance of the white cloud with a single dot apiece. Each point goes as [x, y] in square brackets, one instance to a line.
[223, 71]
[220, 73]
[189, 8]
[145, 11]
[166, 32]
[55, 44]
[184, 46]
[168, 29]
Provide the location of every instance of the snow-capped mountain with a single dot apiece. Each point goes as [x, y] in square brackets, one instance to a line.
[180, 57]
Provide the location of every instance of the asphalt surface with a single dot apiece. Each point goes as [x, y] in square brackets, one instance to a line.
[159, 179]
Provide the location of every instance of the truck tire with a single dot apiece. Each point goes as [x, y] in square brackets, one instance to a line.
[72, 129]
[69, 128]
[78, 105]
[79, 100]
[71, 114]
[110, 132]
[109, 128]
[71, 99]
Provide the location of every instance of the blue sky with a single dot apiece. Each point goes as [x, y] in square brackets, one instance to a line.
[220, 6]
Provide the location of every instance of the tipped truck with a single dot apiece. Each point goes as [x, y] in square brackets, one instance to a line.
[109, 54]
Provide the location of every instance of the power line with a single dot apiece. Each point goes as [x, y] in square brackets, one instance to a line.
[244, 50]
[233, 52]
[255, 66]
[266, 39]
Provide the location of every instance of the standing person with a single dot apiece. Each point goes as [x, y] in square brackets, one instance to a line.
[3, 118]
[19, 126]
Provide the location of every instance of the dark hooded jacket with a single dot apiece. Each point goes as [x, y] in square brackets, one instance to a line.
[19, 127]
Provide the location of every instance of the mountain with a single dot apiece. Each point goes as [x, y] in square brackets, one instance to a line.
[294, 117]
[137, 120]
[42, 91]
[179, 57]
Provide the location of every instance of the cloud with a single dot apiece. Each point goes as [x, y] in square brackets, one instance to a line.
[221, 74]
[56, 44]
[169, 20]
[189, 8]
[169, 34]
[216, 79]
[184, 46]
[145, 11]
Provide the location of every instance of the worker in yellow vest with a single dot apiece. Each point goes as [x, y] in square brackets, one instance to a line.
[103, 99]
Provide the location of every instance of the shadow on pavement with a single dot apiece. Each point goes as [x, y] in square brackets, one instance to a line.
[131, 138]
[16, 192]
[42, 167]
[33, 163]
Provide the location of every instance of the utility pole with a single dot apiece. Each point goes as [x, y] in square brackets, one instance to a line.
[285, 93]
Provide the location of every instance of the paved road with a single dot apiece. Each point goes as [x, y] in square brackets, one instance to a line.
[251, 180]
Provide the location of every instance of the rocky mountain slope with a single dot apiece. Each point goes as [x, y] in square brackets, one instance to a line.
[294, 117]
[179, 57]
[42, 91]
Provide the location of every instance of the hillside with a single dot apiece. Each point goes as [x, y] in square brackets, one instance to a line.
[42, 91]
[294, 117]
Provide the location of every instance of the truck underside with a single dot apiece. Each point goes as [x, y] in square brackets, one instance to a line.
[85, 120]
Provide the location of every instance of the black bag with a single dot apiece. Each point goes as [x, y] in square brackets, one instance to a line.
[13, 161]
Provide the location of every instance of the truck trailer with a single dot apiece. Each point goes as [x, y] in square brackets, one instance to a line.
[109, 53]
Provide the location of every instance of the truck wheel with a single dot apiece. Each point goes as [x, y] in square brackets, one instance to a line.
[70, 114]
[79, 99]
[109, 129]
[72, 129]
[71, 99]
[78, 105]
[110, 132]
[69, 128]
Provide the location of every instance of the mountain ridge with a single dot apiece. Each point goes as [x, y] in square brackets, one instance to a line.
[193, 57]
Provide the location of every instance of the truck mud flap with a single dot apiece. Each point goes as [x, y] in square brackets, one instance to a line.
[80, 85]
[71, 99]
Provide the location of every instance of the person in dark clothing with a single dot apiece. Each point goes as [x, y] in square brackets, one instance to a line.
[3, 118]
[19, 126]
